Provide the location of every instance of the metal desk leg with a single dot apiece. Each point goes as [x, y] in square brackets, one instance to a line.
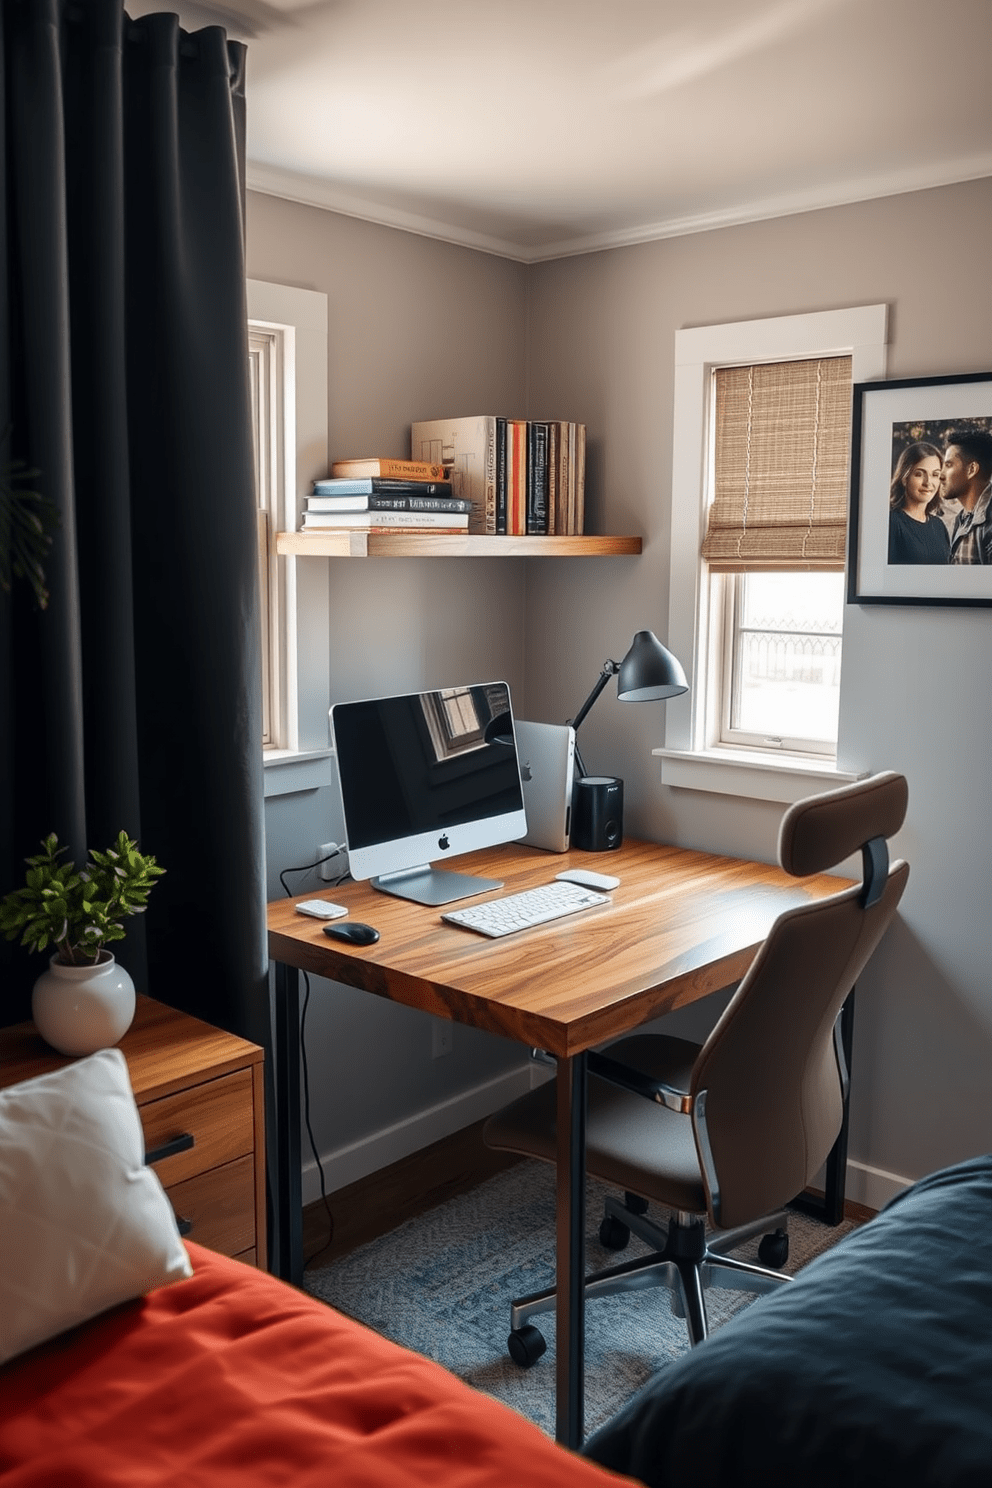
[289, 1186]
[570, 1257]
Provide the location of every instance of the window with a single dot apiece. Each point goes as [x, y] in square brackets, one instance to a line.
[780, 668]
[287, 361]
[774, 551]
[759, 504]
[266, 370]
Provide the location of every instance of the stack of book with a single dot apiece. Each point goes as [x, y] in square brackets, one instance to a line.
[380, 495]
[520, 475]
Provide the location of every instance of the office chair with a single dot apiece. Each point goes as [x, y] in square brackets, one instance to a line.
[735, 1128]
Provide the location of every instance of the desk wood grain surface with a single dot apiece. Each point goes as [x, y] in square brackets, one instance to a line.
[681, 925]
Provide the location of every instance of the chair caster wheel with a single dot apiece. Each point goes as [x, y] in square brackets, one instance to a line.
[526, 1345]
[774, 1250]
[613, 1233]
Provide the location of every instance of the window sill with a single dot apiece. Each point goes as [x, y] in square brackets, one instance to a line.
[740, 772]
[289, 770]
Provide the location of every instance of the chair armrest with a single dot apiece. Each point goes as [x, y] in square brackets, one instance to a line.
[639, 1084]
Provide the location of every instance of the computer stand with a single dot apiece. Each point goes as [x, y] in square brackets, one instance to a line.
[433, 886]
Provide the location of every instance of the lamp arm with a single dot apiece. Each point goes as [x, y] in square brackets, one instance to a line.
[610, 669]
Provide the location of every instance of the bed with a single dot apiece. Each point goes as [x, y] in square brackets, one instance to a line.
[134, 1359]
[874, 1366]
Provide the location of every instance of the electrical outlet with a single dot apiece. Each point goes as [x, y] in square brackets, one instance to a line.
[442, 1037]
[332, 869]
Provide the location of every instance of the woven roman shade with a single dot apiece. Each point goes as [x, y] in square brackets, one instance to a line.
[782, 450]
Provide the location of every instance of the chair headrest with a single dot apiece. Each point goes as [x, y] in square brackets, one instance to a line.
[821, 831]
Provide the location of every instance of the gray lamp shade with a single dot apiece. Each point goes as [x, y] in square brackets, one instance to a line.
[649, 671]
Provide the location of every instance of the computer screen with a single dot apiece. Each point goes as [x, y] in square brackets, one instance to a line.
[427, 775]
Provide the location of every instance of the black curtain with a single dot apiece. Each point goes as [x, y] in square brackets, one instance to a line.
[134, 699]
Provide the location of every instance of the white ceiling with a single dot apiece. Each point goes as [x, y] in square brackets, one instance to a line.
[537, 128]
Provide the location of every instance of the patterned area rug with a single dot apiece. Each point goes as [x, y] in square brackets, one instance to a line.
[442, 1284]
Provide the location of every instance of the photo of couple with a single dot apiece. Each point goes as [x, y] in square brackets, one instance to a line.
[940, 492]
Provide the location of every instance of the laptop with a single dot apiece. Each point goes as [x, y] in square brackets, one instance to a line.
[546, 752]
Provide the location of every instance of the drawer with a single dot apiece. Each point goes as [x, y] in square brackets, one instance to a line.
[218, 1116]
[219, 1207]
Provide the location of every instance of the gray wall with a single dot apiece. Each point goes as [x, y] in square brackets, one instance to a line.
[419, 328]
[916, 692]
[415, 327]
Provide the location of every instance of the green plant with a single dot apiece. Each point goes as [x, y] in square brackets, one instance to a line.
[78, 911]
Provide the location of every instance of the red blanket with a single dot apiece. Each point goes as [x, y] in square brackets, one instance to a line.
[232, 1378]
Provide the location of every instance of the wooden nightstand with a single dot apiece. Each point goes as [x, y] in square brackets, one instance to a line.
[200, 1094]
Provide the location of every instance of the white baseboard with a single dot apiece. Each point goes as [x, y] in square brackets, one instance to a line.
[872, 1187]
[865, 1185]
[377, 1150]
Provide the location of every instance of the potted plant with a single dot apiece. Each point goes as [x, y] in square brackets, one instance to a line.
[85, 1000]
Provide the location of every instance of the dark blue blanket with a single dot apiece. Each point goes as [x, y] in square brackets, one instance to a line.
[874, 1366]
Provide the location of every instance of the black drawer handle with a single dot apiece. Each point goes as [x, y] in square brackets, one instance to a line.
[182, 1143]
[184, 1226]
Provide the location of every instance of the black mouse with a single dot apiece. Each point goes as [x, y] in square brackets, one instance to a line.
[353, 931]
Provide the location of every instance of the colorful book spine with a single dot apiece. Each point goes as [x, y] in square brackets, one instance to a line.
[516, 519]
[416, 470]
[519, 476]
[553, 428]
[537, 477]
[501, 476]
[373, 485]
[457, 521]
[579, 512]
[387, 503]
[562, 471]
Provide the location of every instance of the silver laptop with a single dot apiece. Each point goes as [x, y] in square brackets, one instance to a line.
[546, 752]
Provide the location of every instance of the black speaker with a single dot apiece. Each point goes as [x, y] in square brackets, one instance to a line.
[597, 813]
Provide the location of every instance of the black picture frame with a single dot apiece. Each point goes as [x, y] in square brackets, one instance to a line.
[887, 416]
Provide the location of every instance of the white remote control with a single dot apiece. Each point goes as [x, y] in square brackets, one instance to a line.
[587, 879]
[321, 909]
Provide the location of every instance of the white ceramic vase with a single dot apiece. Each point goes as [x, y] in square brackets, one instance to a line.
[80, 1009]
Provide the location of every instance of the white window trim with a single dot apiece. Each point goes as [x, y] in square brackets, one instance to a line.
[299, 758]
[686, 760]
[267, 351]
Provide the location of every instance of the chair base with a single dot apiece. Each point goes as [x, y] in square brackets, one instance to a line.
[682, 1259]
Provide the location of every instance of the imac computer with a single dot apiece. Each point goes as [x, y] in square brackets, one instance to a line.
[423, 776]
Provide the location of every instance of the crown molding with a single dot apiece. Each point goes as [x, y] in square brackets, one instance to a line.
[312, 191]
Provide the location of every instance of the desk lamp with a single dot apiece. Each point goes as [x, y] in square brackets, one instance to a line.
[648, 673]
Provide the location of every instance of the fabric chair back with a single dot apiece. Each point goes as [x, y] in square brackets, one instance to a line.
[770, 1073]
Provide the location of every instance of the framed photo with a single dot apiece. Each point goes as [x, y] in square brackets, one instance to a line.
[920, 523]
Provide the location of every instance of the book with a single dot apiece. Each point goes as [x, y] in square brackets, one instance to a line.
[466, 449]
[579, 509]
[413, 529]
[411, 470]
[552, 477]
[561, 479]
[566, 478]
[516, 477]
[537, 477]
[501, 476]
[345, 503]
[456, 521]
[374, 485]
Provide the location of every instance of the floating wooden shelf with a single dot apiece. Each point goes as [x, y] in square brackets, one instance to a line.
[452, 545]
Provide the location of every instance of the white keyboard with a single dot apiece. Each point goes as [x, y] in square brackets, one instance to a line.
[522, 911]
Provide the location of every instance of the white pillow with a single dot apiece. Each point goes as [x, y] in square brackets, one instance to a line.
[83, 1223]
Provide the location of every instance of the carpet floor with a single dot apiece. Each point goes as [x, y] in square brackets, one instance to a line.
[442, 1284]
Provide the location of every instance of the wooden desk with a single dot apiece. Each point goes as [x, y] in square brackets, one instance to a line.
[680, 926]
